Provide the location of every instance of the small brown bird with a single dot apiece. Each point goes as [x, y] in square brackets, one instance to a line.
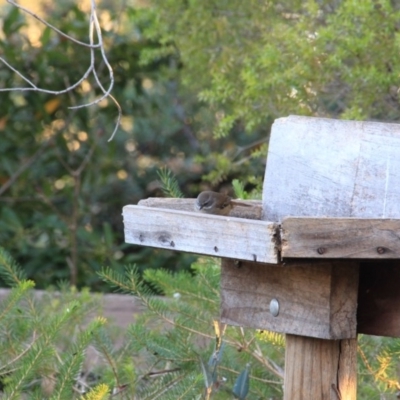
[216, 203]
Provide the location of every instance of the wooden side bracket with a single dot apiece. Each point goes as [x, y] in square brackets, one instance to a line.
[315, 299]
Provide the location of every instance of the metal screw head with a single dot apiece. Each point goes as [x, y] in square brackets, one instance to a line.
[274, 307]
[381, 250]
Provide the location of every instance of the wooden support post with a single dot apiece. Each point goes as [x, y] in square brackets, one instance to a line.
[320, 369]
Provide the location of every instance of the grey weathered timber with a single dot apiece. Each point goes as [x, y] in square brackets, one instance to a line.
[349, 238]
[199, 233]
[188, 205]
[321, 167]
[303, 237]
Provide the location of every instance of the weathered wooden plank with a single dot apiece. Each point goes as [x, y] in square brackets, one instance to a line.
[320, 369]
[188, 205]
[326, 167]
[340, 238]
[199, 233]
[379, 299]
[315, 299]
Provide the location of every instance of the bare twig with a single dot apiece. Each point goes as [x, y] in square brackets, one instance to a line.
[35, 88]
[24, 166]
[93, 24]
[85, 161]
[72, 259]
[106, 93]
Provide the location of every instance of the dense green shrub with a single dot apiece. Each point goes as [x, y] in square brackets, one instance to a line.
[62, 184]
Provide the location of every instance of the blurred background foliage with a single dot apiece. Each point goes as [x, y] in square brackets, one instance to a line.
[200, 83]
[62, 184]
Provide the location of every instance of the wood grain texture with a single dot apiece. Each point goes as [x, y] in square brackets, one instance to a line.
[326, 167]
[320, 369]
[340, 238]
[199, 233]
[315, 299]
[379, 299]
[188, 205]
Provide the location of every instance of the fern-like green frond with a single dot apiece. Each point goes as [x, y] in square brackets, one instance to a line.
[10, 271]
[71, 362]
[238, 188]
[169, 183]
[58, 321]
[39, 354]
[9, 304]
[127, 282]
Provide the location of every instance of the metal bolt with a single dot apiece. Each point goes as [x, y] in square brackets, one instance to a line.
[274, 307]
[381, 250]
[216, 249]
[321, 250]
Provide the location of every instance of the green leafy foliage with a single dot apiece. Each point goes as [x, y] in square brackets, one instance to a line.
[258, 61]
[169, 183]
[72, 360]
[200, 84]
[175, 335]
[62, 184]
[44, 340]
[11, 272]
[242, 383]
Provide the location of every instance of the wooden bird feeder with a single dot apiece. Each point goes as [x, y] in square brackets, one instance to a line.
[318, 260]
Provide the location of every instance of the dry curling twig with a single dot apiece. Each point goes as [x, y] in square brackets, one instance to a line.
[93, 24]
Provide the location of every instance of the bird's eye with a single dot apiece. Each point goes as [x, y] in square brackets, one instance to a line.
[207, 203]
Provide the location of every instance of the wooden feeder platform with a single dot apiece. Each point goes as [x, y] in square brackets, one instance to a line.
[317, 259]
